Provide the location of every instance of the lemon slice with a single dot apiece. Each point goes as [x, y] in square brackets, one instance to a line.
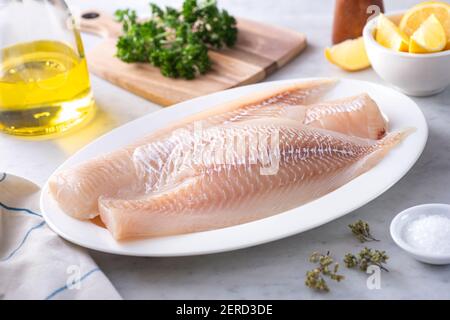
[390, 36]
[415, 16]
[350, 55]
[429, 37]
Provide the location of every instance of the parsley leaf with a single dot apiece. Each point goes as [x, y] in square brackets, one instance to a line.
[176, 41]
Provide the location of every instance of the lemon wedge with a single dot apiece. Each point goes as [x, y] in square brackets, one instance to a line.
[390, 36]
[429, 37]
[415, 16]
[350, 55]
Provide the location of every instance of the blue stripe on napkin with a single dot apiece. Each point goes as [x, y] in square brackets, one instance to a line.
[65, 287]
[23, 241]
[4, 206]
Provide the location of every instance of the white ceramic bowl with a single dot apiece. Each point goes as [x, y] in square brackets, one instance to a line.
[413, 74]
[407, 216]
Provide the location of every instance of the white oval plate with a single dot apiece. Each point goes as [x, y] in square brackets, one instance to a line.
[401, 111]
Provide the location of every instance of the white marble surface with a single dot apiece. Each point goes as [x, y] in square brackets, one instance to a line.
[274, 270]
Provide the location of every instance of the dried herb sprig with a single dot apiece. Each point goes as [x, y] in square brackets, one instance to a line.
[361, 230]
[315, 278]
[365, 258]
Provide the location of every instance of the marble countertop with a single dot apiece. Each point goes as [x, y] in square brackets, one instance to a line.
[275, 270]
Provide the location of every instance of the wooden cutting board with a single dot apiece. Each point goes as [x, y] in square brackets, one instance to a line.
[260, 50]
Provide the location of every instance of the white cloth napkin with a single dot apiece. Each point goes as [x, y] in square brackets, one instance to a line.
[35, 263]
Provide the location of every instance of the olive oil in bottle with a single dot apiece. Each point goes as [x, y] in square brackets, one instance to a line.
[44, 88]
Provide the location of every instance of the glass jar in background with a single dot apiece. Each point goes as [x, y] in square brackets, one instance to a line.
[44, 80]
[350, 17]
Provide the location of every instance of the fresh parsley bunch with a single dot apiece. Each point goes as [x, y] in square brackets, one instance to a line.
[176, 41]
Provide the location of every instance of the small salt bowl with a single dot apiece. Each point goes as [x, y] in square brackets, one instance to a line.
[424, 232]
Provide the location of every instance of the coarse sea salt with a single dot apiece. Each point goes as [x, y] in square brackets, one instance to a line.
[430, 233]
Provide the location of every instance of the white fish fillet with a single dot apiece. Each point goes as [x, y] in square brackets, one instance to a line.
[357, 116]
[77, 189]
[209, 194]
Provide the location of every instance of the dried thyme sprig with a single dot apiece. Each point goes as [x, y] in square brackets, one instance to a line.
[361, 230]
[365, 258]
[315, 278]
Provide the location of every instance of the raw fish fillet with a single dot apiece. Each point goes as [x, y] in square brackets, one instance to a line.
[297, 164]
[357, 116]
[77, 190]
[268, 103]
